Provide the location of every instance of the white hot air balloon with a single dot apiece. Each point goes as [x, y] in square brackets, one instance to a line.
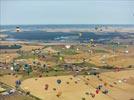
[68, 46]
[11, 68]
[126, 51]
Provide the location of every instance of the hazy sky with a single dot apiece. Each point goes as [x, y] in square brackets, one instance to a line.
[67, 12]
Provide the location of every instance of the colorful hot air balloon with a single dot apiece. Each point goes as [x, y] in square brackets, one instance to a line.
[16, 67]
[18, 83]
[27, 68]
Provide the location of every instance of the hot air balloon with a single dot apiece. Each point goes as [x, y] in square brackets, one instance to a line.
[27, 68]
[80, 34]
[59, 81]
[97, 91]
[96, 28]
[59, 94]
[17, 82]
[61, 58]
[67, 46]
[16, 67]
[105, 91]
[92, 95]
[11, 68]
[46, 86]
[17, 29]
[91, 42]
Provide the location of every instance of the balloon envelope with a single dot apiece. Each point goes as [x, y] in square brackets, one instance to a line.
[18, 82]
[11, 68]
[58, 81]
[68, 46]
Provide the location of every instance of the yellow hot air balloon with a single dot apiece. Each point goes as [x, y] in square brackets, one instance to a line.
[60, 58]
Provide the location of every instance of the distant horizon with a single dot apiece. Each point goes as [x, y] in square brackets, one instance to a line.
[59, 24]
